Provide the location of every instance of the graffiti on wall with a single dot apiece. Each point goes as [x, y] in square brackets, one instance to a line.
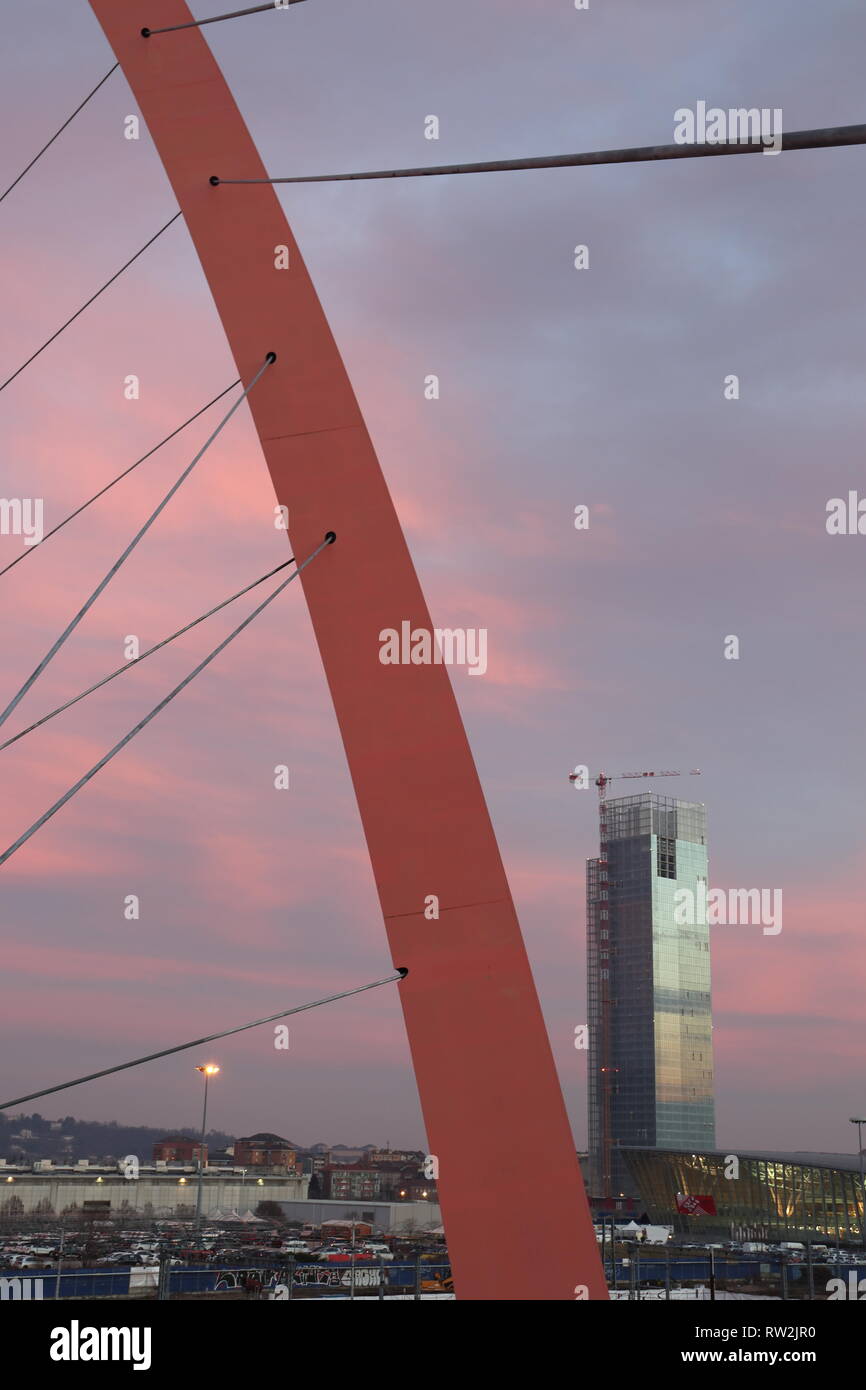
[303, 1276]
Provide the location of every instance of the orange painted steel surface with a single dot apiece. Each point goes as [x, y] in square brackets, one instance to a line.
[512, 1198]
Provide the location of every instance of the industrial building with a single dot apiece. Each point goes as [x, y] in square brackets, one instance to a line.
[750, 1196]
[407, 1217]
[152, 1191]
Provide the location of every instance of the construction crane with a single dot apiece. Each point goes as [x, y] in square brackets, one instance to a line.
[602, 781]
[601, 944]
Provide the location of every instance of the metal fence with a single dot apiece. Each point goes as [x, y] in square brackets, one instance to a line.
[770, 1275]
[284, 1280]
[658, 1275]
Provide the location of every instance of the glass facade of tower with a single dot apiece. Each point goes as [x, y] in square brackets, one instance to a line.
[648, 988]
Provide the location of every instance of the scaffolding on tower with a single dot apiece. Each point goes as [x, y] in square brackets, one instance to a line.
[600, 883]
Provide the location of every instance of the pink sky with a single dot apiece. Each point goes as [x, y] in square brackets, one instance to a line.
[605, 646]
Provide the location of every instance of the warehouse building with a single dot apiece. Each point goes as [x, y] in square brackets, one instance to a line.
[156, 1190]
[407, 1218]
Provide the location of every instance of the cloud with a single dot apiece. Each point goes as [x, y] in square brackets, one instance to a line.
[557, 388]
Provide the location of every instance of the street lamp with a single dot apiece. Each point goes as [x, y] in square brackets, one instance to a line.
[207, 1072]
[859, 1123]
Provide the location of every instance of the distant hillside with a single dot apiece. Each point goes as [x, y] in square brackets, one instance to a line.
[26, 1137]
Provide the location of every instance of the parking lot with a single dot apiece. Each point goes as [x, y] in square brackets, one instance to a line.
[225, 1257]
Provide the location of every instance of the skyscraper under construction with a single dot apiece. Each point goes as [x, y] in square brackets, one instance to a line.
[648, 987]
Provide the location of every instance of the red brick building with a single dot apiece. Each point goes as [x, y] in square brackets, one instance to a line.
[266, 1151]
[179, 1148]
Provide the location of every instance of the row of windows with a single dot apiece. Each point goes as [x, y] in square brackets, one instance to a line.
[667, 857]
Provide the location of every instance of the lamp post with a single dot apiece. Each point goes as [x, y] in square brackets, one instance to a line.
[859, 1124]
[207, 1072]
[60, 1259]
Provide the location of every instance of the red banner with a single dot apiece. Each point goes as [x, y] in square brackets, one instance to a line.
[695, 1206]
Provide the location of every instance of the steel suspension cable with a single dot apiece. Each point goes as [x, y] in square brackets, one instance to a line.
[108, 486]
[129, 665]
[70, 628]
[215, 19]
[142, 724]
[68, 120]
[117, 274]
[827, 138]
[400, 974]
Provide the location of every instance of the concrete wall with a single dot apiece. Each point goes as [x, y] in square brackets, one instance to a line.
[165, 1195]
